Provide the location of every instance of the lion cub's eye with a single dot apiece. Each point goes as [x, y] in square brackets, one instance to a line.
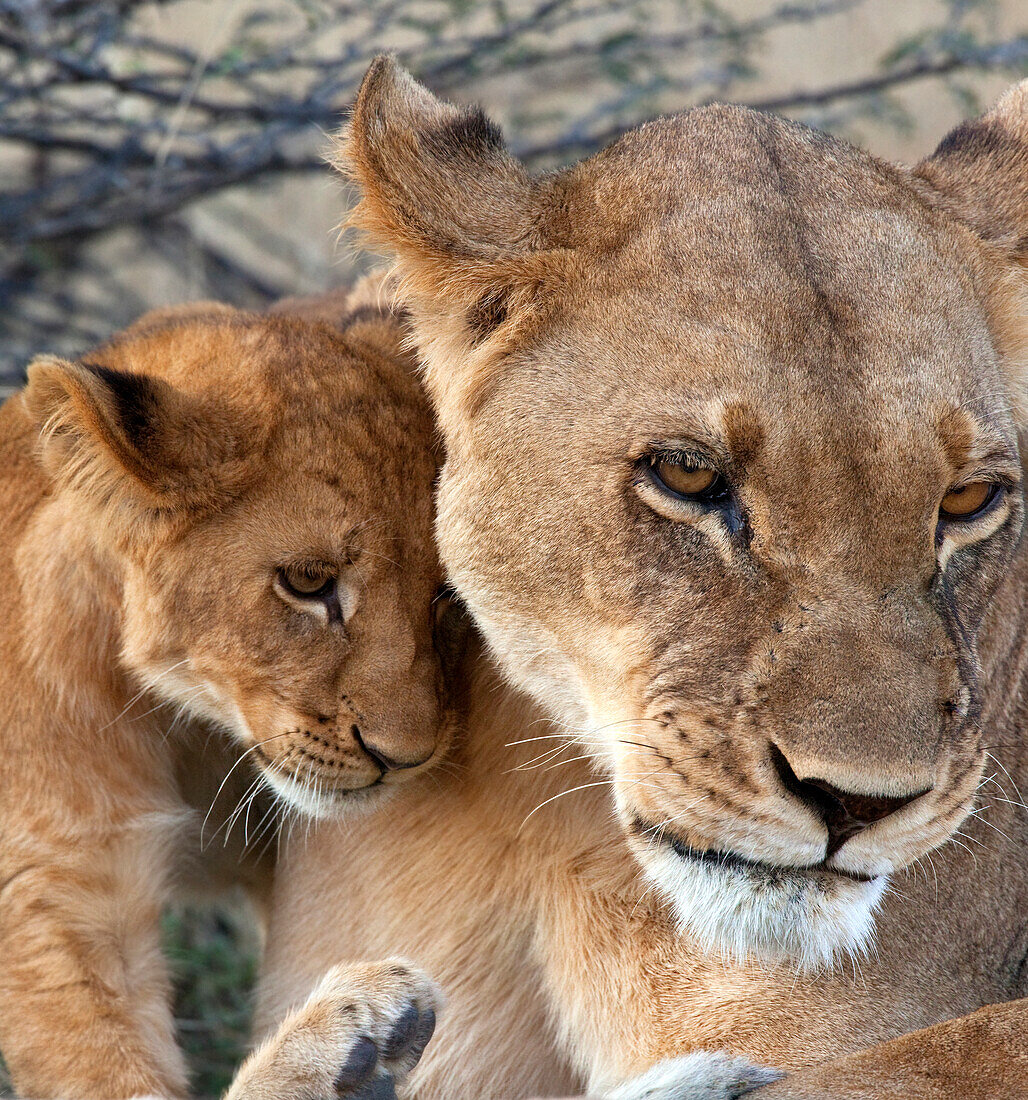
[968, 501]
[687, 479]
[307, 582]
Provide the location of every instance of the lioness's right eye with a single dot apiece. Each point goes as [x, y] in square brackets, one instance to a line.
[683, 477]
[966, 502]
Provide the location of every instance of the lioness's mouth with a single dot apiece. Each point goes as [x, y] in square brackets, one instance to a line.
[732, 861]
[737, 907]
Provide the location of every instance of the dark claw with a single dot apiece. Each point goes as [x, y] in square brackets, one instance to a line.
[425, 1030]
[382, 1088]
[358, 1066]
[404, 1030]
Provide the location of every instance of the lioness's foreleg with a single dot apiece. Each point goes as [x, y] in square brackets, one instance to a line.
[983, 1056]
[357, 1037]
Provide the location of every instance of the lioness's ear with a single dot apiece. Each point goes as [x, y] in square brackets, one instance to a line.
[979, 173]
[442, 195]
[129, 438]
[436, 178]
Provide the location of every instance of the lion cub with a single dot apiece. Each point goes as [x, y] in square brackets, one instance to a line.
[219, 578]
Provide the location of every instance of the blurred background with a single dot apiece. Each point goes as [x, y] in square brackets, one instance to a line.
[153, 152]
[159, 151]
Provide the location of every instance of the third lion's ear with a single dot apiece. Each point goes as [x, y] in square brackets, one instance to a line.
[441, 194]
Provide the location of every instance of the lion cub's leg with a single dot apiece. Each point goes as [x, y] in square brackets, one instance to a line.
[357, 1037]
[85, 1000]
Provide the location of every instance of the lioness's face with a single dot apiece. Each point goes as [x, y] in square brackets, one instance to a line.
[731, 497]
[748, 560]
[277, 558]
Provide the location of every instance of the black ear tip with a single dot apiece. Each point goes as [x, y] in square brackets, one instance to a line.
[463, 134]
[975, 138]
[134, 397]
[475, 133]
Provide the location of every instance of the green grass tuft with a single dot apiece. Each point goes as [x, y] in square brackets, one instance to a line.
[213, 954]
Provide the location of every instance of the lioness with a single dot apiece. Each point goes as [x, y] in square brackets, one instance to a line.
[733, 490]
[218, 551]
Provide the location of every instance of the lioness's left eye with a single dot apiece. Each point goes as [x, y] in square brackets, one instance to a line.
[968, 501]
[307, 583]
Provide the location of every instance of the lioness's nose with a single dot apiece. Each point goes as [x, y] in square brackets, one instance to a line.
[845, 813]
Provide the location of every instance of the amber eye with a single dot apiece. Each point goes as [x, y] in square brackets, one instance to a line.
[687, 479]
[969, 500]
[307, 582]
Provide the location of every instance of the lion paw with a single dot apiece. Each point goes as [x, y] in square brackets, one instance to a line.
[702, 1075]
[359, 1034]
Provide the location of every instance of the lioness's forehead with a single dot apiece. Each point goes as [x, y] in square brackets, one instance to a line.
[742, 255]
[720, 175]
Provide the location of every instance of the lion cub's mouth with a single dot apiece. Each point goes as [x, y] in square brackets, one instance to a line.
[731, 861]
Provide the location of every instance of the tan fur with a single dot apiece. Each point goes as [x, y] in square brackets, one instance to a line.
[149, 661]
[843, 340]
[357, 1004]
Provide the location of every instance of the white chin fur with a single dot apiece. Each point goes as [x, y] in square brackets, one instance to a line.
[299, 797]
[806, 919]
[323, 806]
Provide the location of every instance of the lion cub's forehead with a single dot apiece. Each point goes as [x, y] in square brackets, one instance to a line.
[332, 432]
[284, 363]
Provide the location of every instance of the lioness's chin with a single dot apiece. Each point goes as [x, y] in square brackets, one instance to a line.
[807, 919]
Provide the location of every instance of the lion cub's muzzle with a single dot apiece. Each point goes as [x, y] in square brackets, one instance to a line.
[386, 725]
[326, 765]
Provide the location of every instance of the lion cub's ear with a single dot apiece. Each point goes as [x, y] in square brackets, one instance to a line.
[442, 195]
[132, 439]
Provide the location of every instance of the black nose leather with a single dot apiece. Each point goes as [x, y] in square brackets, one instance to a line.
[845, 813]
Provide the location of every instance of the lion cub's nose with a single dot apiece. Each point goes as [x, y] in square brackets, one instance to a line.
[845, 813]
[386, 763]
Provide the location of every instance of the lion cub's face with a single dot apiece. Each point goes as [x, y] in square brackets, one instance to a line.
[263, 490]
[732, 474]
